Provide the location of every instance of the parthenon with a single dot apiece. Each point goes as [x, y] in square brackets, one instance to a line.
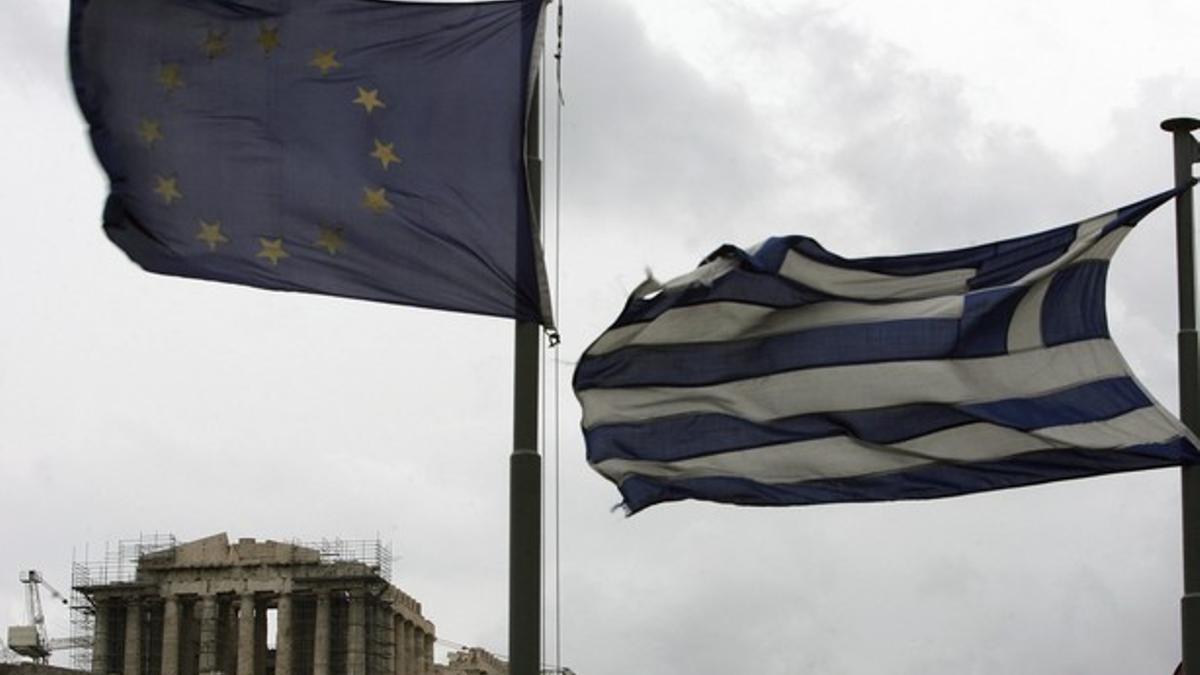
[205, 607]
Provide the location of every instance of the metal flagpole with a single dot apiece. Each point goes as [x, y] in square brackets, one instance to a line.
[525, 466]
[1187, 153]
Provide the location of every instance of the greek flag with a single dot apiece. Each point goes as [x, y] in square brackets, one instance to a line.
[785, 374]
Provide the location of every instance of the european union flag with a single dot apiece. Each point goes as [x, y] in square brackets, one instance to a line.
[356, 148]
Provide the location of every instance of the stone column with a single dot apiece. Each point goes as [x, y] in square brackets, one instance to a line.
[356, 635]
[133, 637]
[410, 648]
[389, 640]
[398, 644]
[428, 653]
[321, 635]
[283, 635]
[227, 647]
[209, 615]
[100, 639]
[260, 642]
[170, 637]
[245, 635]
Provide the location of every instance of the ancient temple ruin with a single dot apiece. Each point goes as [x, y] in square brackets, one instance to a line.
[255, 608]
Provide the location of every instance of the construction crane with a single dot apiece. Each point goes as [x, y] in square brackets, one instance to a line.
[30, 640]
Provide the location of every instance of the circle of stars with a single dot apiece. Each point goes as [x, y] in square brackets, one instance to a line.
[215, 44]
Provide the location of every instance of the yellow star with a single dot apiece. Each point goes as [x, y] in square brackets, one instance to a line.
[369, 99]
[385, 153]
[167, 188]
[324, 61]
[214, 45]
[150, 131]
[268, 38]
[376, 200]
[272, 250]
[210, 233]
[170, 76]
[331, 239]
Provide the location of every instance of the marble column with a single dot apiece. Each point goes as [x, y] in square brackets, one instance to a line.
[227, 637]
[100, 639]
[133, 637]
[245, 635]
[428, 654]
[209, 615]
[260, 641]
[410, 649]
[389, 640]
[356, 634]
[170, 637]
[321, 635]
[398, 644]
[284, 640]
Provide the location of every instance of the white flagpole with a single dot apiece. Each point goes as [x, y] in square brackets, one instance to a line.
[1187, 153]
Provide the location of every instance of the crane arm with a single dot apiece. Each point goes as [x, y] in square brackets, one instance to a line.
[53, 591]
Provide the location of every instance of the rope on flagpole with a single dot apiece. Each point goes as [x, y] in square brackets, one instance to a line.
[558, 172]
[551, 403]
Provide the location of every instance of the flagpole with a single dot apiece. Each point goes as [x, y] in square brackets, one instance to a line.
[1187, 153]
[525, 466]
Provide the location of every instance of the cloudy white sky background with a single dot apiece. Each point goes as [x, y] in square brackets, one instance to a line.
[134, 403]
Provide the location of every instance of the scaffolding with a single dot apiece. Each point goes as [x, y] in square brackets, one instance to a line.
[83, 618]
[371, 552]
[118, 565]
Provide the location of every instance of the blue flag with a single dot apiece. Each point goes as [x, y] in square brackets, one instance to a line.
[789, 375]
[354, 148]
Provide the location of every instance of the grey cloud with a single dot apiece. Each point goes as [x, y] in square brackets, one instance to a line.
[648, 140]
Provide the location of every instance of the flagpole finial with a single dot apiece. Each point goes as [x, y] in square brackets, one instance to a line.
[1180, 124]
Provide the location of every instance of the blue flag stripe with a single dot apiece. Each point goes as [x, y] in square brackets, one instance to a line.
[873, 385]
[982, 331]
[843, 456]
[1074, 305]
[699, 435]
[926, 482]
[704, 364]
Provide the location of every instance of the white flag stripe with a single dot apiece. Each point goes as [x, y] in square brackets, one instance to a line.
[837, 457]
[719, 321]
[703, 275]
[865, 285]
[1107, 246]
[864, 386]
[1144, 425]
[844, 457]
[984, 441]
[1025, 329]
[1085, 236]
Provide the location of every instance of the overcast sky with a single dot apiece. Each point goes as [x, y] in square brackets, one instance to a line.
[132, 403]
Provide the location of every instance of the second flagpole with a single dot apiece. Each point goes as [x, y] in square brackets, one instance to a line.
[1187, 153]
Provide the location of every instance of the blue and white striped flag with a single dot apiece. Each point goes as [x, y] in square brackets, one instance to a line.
[789, 375]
